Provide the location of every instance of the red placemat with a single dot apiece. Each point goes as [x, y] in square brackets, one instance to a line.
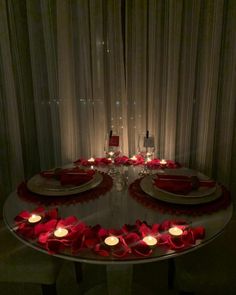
[82, 197]
[138, 194]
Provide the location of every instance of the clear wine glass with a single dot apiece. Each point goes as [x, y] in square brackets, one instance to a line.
[112, 149]
[146, 149]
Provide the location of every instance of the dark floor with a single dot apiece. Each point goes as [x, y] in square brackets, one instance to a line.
[150, 278]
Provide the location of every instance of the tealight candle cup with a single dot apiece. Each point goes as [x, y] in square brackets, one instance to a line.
[163, 162]
[111, 241]
[175, 231]
[34, 218]
[134, 158]
[150, 241]
[91, 160]
[60, 232]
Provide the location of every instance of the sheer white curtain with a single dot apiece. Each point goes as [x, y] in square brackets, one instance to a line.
[180, 80]
[73, 70]
[91, 75]
[76, 52]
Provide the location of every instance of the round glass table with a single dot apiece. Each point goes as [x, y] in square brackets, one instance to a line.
[112, 208]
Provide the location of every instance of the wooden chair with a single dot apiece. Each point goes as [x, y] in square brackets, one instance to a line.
[22, 264]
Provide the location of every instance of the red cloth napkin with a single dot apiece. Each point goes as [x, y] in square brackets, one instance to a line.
[181, 184]
[70, 176]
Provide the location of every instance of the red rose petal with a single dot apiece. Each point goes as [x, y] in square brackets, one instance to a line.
[25, 214]
[198, 232]
[43, 237]
[55, 246]
[101, 250]
[142, 249]
[131, 239]
[52, 214]
[145, 230]
[39, 210]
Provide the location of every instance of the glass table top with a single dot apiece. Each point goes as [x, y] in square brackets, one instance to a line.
[113, 210]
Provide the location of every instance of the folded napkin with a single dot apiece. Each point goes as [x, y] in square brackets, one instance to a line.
[70, 176]
[181, 184]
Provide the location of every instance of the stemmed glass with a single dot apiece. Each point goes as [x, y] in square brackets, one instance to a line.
[112, 149]
[146, 149]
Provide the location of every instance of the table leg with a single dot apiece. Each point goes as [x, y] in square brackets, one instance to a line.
[119, 279]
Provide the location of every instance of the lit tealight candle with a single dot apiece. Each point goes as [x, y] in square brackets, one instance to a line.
[60, 232]
[91, 160]
[150, 241]
[111, 241]
[163, 162]
[133, 158]
[34, 218]
[175, 231]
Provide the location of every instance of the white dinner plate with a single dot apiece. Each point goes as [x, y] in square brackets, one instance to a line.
[147, 186]
[202, 191]
[52, 187]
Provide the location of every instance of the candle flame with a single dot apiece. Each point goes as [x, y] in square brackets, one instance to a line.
[91, 160]
[163, 162]
[133, 158]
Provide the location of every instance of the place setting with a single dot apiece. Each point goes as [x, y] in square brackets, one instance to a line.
[181, 186]
[167, 185]
[69, 184]
[180, 191]
[67, 181]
